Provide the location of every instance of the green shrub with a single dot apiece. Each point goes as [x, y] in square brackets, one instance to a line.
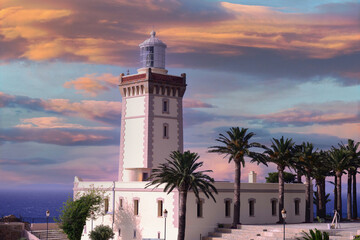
[101, 232]
[74, 213]
[315, 235]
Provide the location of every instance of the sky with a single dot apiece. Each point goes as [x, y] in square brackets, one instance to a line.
[279, 68]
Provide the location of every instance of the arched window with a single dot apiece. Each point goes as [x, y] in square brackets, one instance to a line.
[252, 207]
[136, 207]
[165, 105]
[227, 207]
[160, 203]
[199, 208]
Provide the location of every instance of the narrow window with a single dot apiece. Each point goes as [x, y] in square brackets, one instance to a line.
[158, 235]
[165, 106]
[227, 208]
[134, 233]
[251, 207]
[136, 207]
[297, 206]
[160, 208]
[121, 204]
[199, 208]
[166, 130]
[119, 232]
[106, 203]
[273, 207]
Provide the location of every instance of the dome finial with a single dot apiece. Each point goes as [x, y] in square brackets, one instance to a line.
[153, 33]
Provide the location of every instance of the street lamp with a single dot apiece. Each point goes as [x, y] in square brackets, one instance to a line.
[47, 223]
[165, 216]
[283, 214]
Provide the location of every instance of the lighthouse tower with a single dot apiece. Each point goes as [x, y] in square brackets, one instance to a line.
[152, 117]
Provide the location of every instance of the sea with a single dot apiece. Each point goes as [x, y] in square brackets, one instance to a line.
[31, 205]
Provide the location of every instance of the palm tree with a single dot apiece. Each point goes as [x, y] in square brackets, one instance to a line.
[281, 153]
[236, 146]
[306, 158]
[340, 163]
[181, 172]
[354, 162]
[321, 169]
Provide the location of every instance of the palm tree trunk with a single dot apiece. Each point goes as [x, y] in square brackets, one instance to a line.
[321, 200]
[307, 198]
[236, 219]
[323, 186]
[182, 215]
[298, 176]
[281, 193]
[354, 196]
[348, 203]
[335, 193]
[338, 193]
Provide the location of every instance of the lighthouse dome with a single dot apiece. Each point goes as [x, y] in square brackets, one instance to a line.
[152, 52]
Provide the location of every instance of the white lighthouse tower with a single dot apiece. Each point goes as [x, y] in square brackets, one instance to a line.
[152, 118]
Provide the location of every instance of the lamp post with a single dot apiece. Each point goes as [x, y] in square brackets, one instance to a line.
[165, 216]
[283, 214]
[47, 223]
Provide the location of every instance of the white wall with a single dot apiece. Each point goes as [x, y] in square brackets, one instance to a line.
[148, 224]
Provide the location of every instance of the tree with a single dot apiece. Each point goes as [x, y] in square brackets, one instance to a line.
[281, 153]
[339, 163]
[353, 156]
[236, 145]
[101, 232]
[274, 177]
[181, 172]
[74, 213]
[321, 169]
[306, 159]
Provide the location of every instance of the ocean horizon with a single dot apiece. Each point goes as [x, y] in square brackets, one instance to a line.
[31, 205]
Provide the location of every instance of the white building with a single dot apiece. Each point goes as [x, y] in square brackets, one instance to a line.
[151, 128]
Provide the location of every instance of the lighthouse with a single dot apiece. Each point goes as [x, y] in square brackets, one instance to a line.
[152, 115]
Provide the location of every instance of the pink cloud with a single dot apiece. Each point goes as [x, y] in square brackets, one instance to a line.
[93, 84]
[336, 112]
[193, 103]
[53, 122]
[101, 111]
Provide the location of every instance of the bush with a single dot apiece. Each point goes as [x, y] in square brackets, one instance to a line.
[101, 232]
[315, 235]
[73, 214]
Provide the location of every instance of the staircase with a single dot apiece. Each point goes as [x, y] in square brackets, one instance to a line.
[269, 232]
[52, 235]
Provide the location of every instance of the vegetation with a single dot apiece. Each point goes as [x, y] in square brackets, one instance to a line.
[182, 172]
[236, 146]
[74, 213]
[101, 232]
[315, 235]
[273, 177]
[281, 153]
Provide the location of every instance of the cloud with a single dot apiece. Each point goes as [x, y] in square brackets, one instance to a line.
[193, 103]
[63, 137]
[92, 84]
[102, 111]
[330, 113]
[54, 122]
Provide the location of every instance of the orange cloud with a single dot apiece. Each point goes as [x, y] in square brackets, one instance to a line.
[53, 122]
[58, 30]
[92, 84]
